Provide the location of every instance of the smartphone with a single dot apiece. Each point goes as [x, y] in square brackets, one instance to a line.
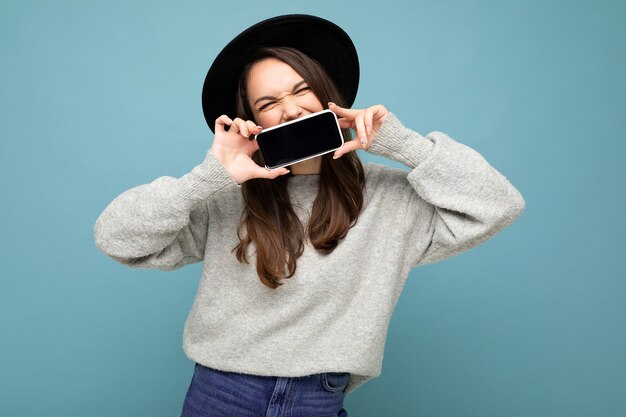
[300, 139]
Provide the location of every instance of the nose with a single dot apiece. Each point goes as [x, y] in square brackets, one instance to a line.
[291, 110]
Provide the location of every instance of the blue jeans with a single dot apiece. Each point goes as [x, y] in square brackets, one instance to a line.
[215, 393]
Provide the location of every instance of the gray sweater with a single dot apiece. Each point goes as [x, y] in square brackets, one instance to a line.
[333, 314]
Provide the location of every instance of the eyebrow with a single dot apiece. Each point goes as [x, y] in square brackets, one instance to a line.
[295, 87]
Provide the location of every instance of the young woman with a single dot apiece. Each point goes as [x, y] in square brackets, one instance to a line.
[302, 266]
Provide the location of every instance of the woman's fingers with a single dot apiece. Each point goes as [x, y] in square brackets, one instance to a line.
[349, 146]
[269, 173]
[253, 128]
[222, 121]
[354, 119]
[349, 114]
[235, 154]
[253, 146]
[365, 122]
[360, 129]
[345, 123]
[369, 121]
[242, 127]
[245, 128]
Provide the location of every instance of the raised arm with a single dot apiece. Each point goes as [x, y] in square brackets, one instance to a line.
[162, 224]
[459, 199]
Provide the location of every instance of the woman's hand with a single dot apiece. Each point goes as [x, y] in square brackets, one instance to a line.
[234, 150]
[365, 122]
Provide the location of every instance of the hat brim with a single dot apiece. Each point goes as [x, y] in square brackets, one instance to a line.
[316, 37]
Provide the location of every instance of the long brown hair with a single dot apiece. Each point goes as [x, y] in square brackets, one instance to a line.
[268, 219]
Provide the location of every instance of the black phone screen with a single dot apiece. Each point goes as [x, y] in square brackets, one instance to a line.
[300, 139]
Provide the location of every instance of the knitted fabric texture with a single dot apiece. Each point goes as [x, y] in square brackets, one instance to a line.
[333, 314]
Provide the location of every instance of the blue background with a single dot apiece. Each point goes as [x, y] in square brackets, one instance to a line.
[99, 97]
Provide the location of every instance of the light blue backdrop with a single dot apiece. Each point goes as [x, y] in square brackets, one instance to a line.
[98, 97]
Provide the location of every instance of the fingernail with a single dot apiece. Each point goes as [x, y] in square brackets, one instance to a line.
[335, 157]
[330, 103]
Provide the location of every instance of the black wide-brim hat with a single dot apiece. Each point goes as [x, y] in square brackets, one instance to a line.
[316, 37]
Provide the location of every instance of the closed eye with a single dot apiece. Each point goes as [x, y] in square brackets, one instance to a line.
[266, 105]
[298, 92]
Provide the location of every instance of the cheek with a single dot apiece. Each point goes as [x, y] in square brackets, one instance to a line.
[312, 103]
[268, 118]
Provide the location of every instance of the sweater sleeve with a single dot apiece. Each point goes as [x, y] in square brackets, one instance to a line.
[162, 224]
[457, 201]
